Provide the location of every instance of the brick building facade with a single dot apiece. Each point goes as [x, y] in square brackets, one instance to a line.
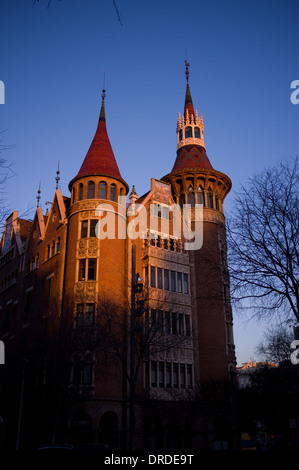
[101, 359]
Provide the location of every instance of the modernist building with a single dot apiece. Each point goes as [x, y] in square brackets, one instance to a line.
[98, 355]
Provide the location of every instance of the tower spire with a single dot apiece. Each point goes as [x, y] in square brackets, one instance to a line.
[100, 159]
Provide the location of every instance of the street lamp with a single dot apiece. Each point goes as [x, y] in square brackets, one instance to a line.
[136, 288]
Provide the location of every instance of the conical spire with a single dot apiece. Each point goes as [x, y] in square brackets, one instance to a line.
[189, 109]
[191, 151]
[100, 159]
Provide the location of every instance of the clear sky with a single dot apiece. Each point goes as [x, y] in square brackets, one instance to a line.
[243, 57]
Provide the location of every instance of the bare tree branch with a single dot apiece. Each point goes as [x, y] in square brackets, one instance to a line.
[263, 238]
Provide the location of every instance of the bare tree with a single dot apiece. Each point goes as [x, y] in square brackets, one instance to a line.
[276, 346]
[263, 243]
[5, 173]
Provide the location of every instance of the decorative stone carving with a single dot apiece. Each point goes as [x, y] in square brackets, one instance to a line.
[93, 247]
[82, 247]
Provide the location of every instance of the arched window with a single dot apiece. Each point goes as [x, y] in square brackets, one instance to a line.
[210, 199]
[200, 196]
[112, 192]
[90, 191]
[80, 191]
[197, 132]
[188, 132]
[102, 190]
[181, 135]
[73, 195]
[217, 202]
[191, 197]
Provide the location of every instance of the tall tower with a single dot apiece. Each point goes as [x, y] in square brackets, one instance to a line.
[98, 182]
[96, 265]
[195, 181]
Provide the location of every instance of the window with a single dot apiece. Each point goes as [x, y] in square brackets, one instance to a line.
[159, 278]
[80, 191]
[186, 284]
[188, 325]
[92, 269]
[217, 202]
[179, 282]
[49, 284]
[172, 281]
[92, 228]
[182, 376]
[197, 132]
[73, 195]
[153, 320]
[153, 276]
[112, 192]
[161, 374]
[53, 249]
[189, 376]
[174, 324]
[175, 375]
[168, 374]
[84, 226]
[58, 245]
[89, 314]
[201, 196]
[85, 315]
[210, 199]
[79, 315]
[90, 191]
[181, 135]
[157, 210]
[82, 266]
[87, 371]
[191, 197]
[160, 321]
[165, 212]
[181, 324]
[154, 374]
[188, 132]
[166, 279]
[102, 190]
[167, 326]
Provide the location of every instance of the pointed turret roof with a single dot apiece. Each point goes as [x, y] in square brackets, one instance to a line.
[188, 103]
[191, 151]
[100, 159]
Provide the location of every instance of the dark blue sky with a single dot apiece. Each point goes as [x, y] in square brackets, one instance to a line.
[243, 57]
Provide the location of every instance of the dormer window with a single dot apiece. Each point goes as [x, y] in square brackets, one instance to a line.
[188, 132]
[197, 132]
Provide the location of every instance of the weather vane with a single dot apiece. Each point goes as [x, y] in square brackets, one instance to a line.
[187, 70]
[38, 197]
[103, 90]
[57, 176]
